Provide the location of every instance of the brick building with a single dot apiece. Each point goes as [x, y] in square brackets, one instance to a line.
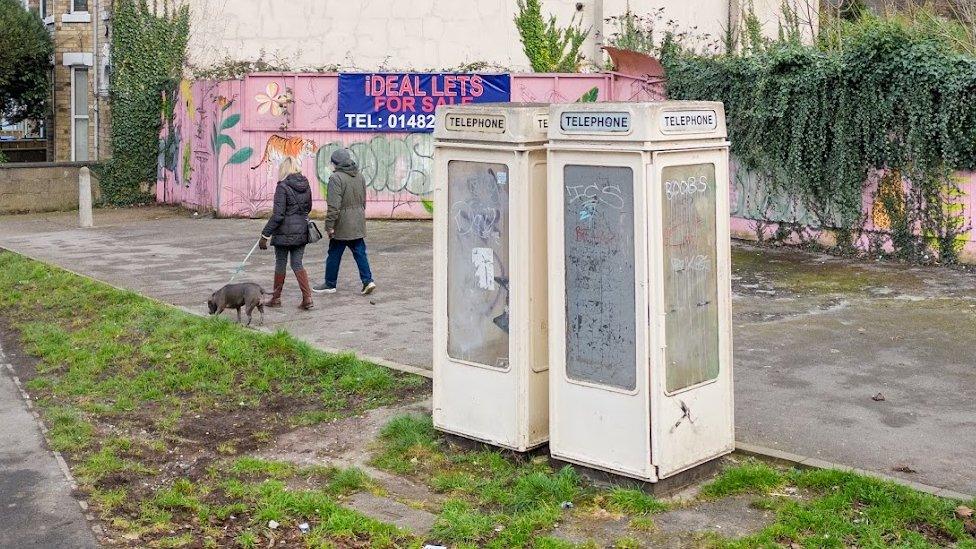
[78, 127]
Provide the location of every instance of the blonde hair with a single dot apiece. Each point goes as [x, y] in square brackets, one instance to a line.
[288, 166]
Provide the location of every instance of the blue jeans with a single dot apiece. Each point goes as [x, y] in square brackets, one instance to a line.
[336, 249]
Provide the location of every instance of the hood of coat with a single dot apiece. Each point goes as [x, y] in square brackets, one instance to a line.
[343, 162]
[297, 182]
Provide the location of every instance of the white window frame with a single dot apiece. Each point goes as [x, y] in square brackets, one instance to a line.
[42, 10]
[73, 16]
[75, 116]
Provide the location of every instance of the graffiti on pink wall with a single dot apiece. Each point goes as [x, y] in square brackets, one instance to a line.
[216, 132]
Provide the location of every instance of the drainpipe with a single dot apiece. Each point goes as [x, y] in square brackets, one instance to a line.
[598, 32]
[96, 4]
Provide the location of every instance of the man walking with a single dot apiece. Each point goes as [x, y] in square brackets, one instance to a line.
[345, 222]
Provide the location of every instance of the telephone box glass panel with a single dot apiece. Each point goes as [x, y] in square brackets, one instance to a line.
[598, 232]
[477, 264]
[690, 278]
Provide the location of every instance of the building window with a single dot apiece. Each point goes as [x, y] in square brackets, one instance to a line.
[79, 113]
[79, 5]
[42, 9]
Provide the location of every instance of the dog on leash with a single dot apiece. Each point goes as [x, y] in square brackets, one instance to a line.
[246, 295]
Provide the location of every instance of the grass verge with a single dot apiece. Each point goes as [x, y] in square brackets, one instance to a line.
[156, 410]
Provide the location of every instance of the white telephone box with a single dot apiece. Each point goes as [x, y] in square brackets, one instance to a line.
[640, 341]
[490, 287]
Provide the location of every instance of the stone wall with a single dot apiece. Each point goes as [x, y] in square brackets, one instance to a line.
[41, 187]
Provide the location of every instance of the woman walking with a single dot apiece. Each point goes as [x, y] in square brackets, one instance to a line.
[287, 230]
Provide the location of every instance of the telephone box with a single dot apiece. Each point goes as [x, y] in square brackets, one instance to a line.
[639, 290]
[490, 287]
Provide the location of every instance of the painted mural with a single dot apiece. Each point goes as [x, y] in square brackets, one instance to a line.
[222, 142]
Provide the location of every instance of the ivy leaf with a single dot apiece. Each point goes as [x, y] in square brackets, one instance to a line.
[590, 96]
[230, 122]
[224, 139]
[241, 156]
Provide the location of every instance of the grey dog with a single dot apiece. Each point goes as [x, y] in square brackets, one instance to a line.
[234, 296]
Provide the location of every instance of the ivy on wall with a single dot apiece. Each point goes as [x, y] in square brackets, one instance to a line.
[817, 120]
[148, 49]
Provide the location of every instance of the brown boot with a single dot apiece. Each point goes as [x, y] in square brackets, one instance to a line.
[302, 277]
[279, 283]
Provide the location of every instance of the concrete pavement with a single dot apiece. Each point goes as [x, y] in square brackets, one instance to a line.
[815, 336]
[36, 506]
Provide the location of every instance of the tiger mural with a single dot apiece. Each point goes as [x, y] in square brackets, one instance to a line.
[279, 148]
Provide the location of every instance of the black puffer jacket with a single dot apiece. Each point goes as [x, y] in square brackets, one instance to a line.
[288, 225]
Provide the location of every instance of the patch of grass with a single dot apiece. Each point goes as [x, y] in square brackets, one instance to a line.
[306, 419]
[543, 488]
[251, 466]
[627, 543]
[751, 476]
[68, 431]
[643, 524]
[496, 502]
[247, 539]
[408, 443]
[182, 495]
[843, 510]
[109, 500]
[182, 540]
[99, 465]
[460, 523]
[634, 502]
[346, 481]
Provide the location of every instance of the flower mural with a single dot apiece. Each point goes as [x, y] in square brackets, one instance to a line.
[220, 139]
[273, 101]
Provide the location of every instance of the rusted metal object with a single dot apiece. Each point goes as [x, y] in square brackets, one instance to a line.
[635, 63]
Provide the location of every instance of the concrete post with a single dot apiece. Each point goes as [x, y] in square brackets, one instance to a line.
[84, 198]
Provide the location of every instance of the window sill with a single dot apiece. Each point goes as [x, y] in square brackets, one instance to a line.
[76, 17]
[49, 20]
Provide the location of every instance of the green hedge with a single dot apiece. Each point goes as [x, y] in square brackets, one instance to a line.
[816, 119]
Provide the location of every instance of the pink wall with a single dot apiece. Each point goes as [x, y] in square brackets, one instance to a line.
[758, 209]
[221, 130]
[298, 112]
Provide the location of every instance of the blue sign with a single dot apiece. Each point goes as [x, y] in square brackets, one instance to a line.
[405, 102]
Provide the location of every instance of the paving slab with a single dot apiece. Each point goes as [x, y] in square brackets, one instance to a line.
[392, 512]
[815, 336]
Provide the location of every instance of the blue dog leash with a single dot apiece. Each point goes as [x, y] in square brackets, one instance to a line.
[240, 268]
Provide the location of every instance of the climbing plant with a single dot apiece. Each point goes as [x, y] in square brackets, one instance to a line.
[817, 120]
[148, 49]
[549, 47]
